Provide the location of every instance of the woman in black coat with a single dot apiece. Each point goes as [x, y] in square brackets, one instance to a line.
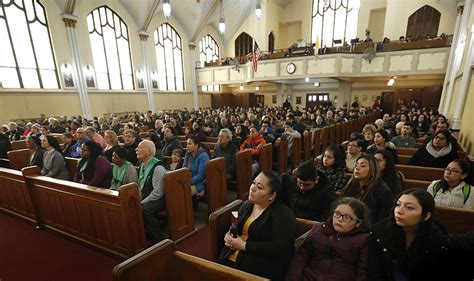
[388, 171]
[409, 245]
[438, 153]
[264, 244]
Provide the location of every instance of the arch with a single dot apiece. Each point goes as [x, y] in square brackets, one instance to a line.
[423, 22]
[27, 58]
[271, 42]
[243, 45]
[208, 52]
[169, 58]
[110, 45]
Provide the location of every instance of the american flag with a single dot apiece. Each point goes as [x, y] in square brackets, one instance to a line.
[256, 55]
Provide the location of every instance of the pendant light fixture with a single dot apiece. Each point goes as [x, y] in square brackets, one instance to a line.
[166, 8]
[221, 18]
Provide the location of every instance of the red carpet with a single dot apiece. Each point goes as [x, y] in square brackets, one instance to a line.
[197, 244]
[29, 254]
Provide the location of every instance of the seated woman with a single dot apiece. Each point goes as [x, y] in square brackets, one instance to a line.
[368, 131]
[354, 150]
[438, 152]
[123, 172]
[366, 185]
[312, 195]
[266, 229]
[409, 245]
[176, 159]
[93, 168]
[321, 258]
[132, 139]
[54, 164]
[68, 144]
[388, 171]
[382, 142]
[33, 143]
[112, 142]
[195, 159]
[454, 189]
[334, 166]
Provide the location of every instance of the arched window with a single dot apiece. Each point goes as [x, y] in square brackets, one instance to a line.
[169, 58]
[334, 20]
[26, 56]
[208, 52]
[108, 34]
[423, 22]
[271, 42]
[243, 45]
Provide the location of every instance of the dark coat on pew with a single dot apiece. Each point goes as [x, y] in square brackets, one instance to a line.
[170, 145]
[433, 255]
[228, 153]
[270, 244]
[5, 146]
[37, 158]
[423, 158]
[313, 204]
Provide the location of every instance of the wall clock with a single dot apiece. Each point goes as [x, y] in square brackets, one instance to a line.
[290, 68]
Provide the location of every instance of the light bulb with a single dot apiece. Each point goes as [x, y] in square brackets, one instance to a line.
[166, 8]
[241, 87]
[221, 25]
[258, 11]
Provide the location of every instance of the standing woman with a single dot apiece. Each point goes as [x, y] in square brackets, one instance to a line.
[266, 229]
[388, 171]
[54, 164]
[366, 185]
[409, 245]
[321, 257]
[93, 168]
[455, 188]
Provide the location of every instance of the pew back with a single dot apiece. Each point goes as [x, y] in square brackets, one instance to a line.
[21, 144]
[265, 157]
[19, 159]
[216, 191]
[420, 173]
[455, 220]
[243, 172]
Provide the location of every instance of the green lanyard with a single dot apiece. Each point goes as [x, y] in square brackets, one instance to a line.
[144, 171]
[118, 178]
[84, 166]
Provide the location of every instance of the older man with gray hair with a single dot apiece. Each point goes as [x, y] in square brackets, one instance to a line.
[93, 135]
[225, 148]
[150, 181]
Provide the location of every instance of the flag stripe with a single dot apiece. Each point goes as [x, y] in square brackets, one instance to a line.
[256, 55]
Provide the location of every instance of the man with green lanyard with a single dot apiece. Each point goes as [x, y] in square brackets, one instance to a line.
[150, 181]
[123, 172]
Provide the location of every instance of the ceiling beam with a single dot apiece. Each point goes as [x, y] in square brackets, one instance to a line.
[205, 20]
[151, 14]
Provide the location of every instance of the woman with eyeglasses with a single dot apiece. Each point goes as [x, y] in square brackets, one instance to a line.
[266, 230]
[454, 189]
[410, 245]
[337, 248]
[366, 185]
[354, 151]
[312, 195]
[438, 152]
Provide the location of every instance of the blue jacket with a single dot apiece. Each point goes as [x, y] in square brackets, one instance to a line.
[76, 148]
[197, 165]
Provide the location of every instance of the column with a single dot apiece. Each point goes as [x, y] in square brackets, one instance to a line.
[467, 37]
[78, 74]
[192, 55]
[451, 69]
[146, 58]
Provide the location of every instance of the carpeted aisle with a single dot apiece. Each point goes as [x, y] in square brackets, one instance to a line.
[29, 254]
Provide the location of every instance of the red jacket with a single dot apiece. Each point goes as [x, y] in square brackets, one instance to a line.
[252, 144]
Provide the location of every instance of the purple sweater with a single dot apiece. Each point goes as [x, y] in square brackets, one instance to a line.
[102, 174]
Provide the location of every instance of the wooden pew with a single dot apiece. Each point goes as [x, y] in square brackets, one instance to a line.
[216, 191]
[19, 159]
[21, 144]
[406, 151]
[162, 262]
[420, 173]
[265, 157]
[104, 219]
[409, 183]
[243, 172]
[307, 146]
[179, 206]
[15, 198]
[71, 165]
[296, 153]
[219, 223]
[317, 142]
[455, 220]
[282, 161]
[404, 159]
[4, 163]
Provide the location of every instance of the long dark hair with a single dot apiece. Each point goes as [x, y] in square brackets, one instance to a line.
[339, 154]
[361, 210]
[466, 168]
[279, 184]
[427, 203]
[353, 185]
[95, 150]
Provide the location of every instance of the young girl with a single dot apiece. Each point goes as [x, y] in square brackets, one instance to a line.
[454, 189]
[176, 159]
[335, 249]
[334, 166]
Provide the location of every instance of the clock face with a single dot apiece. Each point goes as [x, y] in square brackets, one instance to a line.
[291, 68]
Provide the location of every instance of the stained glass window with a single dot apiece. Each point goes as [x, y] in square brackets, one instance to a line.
[169, 58]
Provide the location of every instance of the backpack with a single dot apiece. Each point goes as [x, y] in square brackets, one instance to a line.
[466, 190]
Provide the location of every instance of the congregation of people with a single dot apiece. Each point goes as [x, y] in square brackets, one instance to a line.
[369, 227]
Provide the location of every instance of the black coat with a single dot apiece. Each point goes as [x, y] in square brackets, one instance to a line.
[270, 244]
[313, 204]
[423, 158]
[433, 255]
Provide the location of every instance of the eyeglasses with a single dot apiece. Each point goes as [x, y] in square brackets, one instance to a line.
[305, 183]
[345, 218]
[451, 171]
